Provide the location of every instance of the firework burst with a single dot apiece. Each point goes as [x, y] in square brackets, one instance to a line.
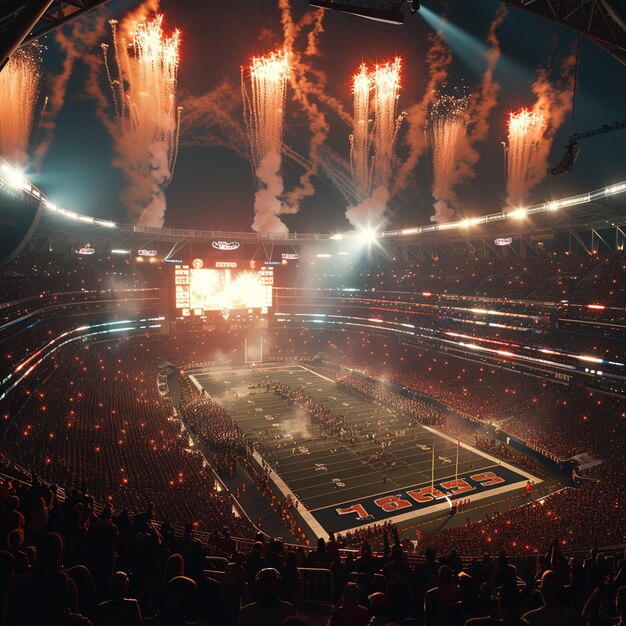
[386, 81]
[19, 91]
[448, 119]
[375, 92]
[526, 130]
[148, 118]
[360, 137]
[264, 114]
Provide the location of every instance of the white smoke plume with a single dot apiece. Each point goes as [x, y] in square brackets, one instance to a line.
[267, 203]
[371, 212]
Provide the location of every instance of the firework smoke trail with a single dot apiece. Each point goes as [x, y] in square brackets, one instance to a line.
[76, 42]
[385, 81]
[333, 166]
[19, 91]
[447, 129]
[484, 101]
[264, 113]
[438, 59]
[338, 170]
[312, 48]
[144, 94]
[305, 80]
[214, 119]
[307, 83]
[360, 137]
[554, 102]
[481, 103]
[526, 129]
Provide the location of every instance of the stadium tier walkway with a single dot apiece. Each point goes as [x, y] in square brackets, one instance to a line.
[256, 506]
[251, 501]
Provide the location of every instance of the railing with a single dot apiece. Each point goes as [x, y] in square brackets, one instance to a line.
[318, 586]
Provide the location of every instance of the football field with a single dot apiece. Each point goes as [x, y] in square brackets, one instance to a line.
[386, 472]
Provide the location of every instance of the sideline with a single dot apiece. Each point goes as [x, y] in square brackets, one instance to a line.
[311, 522]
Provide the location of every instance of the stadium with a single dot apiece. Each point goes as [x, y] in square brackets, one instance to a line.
[348, 411]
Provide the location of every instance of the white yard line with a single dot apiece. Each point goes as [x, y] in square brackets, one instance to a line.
[330, 380]
[196, 384]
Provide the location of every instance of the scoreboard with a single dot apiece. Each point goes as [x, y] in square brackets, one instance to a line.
[207, 286]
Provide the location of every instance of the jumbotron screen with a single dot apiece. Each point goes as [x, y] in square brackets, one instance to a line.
[221, 286]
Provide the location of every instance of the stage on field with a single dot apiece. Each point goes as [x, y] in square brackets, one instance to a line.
[346, 485]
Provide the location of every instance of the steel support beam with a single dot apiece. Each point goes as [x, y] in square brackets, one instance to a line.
[600, 21]
[22, 23]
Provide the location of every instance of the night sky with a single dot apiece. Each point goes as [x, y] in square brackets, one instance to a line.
[213, 187]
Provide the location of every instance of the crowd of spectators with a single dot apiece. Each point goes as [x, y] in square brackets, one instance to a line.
[97, 419]
[501, 450]
[546, 277]
[216, 430]
[93, 418]
[106, 416]
[562, 419]
[69, 561]
[417, 411]
[34, 273]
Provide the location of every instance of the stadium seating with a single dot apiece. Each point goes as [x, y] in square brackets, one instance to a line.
[92, 452]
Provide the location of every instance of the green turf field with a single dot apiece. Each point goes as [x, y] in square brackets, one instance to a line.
[326, 474]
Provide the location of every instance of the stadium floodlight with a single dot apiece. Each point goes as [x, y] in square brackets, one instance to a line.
[15, 177]
[518, 214]
[368, 235]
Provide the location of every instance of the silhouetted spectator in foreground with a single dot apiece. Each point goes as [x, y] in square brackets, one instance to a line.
[380, 609]
[209, 597]
[15, 542]
[319, 558]
[178, 602]
[119, 611]
[509, 605]
[440, 600]
[256, 562]
[351, 613]
[552, 613]
[268, 610]
[620, 605]
[332, 548]
[11, 517]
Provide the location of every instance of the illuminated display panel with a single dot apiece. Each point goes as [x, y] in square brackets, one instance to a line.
[207, 286]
